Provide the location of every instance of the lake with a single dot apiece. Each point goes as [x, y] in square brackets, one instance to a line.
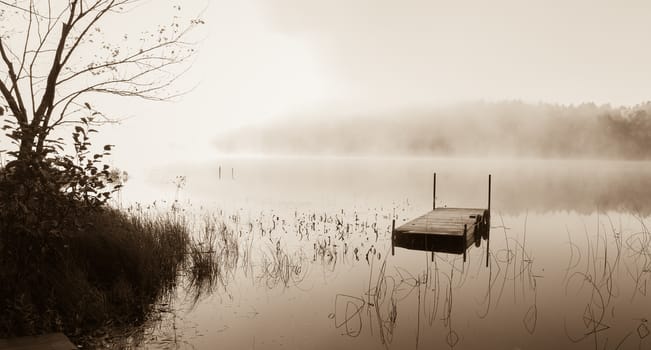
[311, 263]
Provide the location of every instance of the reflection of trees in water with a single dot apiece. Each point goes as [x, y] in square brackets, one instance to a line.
[609, 271]
[582, 188]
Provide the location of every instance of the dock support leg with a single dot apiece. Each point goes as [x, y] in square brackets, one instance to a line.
[393, 237]
[465, 241]
[488, 242]
[434, 193]
[489, 195]
[488, 221]
[488, 238]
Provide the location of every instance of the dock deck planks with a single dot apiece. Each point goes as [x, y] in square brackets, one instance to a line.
[51, 341]
[444, 221]
[450, 230]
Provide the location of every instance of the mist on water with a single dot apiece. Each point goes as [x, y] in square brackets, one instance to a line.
[473, 129]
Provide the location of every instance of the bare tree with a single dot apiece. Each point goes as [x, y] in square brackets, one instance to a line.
[55, 53]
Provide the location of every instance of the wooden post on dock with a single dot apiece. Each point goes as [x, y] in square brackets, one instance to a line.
[465, 240]
[488, 221]
[489, 196]
[434, 193]
[430, 245]
[393, 237]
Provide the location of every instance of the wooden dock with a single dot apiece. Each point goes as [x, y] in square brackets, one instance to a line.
[51, 341]
[449, 230]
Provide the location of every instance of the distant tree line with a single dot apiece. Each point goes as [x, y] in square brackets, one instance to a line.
[479, 129]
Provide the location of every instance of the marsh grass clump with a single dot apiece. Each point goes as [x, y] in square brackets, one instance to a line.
[103, 267]
[282, 268]
[212, 257]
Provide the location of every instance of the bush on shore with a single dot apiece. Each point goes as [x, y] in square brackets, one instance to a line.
[73, 264]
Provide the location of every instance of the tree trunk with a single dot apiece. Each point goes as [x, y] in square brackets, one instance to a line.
[27, 151]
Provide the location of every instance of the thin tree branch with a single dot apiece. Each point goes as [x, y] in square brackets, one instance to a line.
[40, 50]
[99, 15]
[14, 6]
[27, 37]
[48, 95]
[11, 101]
[14, 80]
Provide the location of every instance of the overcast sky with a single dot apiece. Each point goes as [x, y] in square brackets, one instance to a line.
[433, 51]
[271, 57]
[265, 59]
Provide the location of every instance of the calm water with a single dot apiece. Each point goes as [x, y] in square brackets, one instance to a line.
[569, 258]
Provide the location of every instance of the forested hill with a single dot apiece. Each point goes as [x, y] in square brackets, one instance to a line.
[481, 129]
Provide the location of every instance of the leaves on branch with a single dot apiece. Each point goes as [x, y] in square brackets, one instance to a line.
[55, 53]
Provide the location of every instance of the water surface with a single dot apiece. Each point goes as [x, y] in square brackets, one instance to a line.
[568, 261]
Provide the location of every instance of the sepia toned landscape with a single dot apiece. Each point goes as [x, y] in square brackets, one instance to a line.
[327, 175]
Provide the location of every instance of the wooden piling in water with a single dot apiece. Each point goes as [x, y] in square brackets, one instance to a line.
[434, 193]
[489, 195]
[488, 221]
[393, 237]
[465, 241]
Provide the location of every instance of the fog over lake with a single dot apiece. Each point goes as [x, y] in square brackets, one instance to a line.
[301, 139]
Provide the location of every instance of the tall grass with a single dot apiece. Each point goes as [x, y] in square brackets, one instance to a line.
[111, 269]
